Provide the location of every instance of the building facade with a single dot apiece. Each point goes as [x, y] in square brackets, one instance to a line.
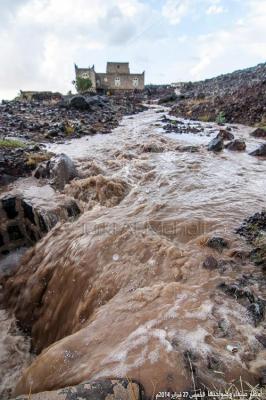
[116, 77]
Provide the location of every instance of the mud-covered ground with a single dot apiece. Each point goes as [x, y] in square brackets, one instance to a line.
[161, 277]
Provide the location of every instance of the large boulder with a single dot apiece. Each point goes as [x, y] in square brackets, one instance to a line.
[259, 133]
[261, 151]
[79, 103]
[216, 144]
[60, 169]
[168, 98]
[225, 135]
[236, 145]
[89, 103]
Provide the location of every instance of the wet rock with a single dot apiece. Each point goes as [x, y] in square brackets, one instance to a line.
[168, 98]
[253, 227]
[259, 133]
[108, 389]
[261, 151]
[257, 311]
[235, 290]
[28, 211]
[255, 306]
[60, 169]
[217, 243]
[216, 144]
[14, 233]
[9, 206]
[236, 145]
[42, 171]
[222, 329]
[261, 339]
[225, 135]
[258, 255]
[225, 265]
[210, 263]
[72, 209]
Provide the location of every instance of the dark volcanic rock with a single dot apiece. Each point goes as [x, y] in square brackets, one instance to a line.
[253, 226]
[261, 339]
[259, 133]
[168, 98]
[217, 243]
[216, 144]
[255, 306]
[9, 206]
[261, 151]
[104, 389]
[210, 263]
[235, 97]
[254, 229]
[60, 169]
[257, 310]
[258, 255]
[237, 291]
[79, 103]
[225, 135]
[236, 145]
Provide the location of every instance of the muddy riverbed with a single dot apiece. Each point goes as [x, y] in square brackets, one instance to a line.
[124, 291]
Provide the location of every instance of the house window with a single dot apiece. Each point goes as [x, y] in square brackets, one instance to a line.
[117, 82]
[135, 82]
[105, 79]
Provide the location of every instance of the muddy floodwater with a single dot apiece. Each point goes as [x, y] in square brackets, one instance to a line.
[122, 291]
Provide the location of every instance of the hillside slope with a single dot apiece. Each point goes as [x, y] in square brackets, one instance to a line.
[236, 97]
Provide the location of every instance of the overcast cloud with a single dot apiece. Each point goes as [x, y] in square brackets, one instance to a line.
[172, 40]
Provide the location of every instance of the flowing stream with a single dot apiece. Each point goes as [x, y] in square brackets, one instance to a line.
[122, 291]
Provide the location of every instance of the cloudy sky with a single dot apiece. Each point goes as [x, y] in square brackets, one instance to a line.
[172, 40]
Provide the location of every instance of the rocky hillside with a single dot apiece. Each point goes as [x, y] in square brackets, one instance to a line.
[236, 97]
[226, 84]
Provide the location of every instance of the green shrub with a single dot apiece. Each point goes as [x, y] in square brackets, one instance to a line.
[11, 144]
[220, 119]
[82, 84]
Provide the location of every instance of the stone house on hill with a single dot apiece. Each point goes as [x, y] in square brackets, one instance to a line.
[116, 77]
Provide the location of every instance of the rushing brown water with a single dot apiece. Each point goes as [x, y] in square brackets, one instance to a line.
[122, 291]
